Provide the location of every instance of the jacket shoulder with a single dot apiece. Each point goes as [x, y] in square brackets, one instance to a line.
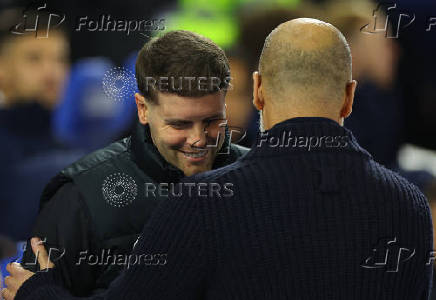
[97, 157]
[86, 163]
[393, 177]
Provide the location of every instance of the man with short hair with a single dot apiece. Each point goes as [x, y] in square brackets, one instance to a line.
[312, 215]
[92, 213]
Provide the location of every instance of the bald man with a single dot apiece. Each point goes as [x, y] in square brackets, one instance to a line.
[310, 215]
[305, 69]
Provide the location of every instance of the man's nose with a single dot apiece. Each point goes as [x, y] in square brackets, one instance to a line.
[198, 136]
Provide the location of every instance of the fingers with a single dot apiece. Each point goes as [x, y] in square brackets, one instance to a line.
[40, 252]
[18, 276]
[10, 283]
[7, 294]
[14, 268]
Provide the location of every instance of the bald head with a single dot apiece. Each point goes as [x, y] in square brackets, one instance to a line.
[305, 60]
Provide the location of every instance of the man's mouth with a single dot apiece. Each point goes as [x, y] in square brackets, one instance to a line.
[196, 155]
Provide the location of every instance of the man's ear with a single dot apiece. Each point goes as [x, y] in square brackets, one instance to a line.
[142, 107]
[347, 107]
[258, 100]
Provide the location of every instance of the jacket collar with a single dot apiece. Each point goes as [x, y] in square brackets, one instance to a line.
[148, 158]
[306, 134]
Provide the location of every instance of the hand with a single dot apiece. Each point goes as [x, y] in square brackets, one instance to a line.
[18, 275]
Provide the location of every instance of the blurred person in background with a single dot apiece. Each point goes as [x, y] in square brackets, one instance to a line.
[32, 75]
[33, 71]
[240, 112]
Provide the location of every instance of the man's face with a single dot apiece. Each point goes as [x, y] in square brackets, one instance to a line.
[34, 68]
[187, 131]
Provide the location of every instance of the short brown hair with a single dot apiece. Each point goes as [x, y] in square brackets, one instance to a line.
[181, 54]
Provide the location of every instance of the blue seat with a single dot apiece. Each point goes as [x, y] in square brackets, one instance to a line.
[97, 104]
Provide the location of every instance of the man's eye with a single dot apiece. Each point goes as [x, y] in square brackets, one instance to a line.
[179, 125]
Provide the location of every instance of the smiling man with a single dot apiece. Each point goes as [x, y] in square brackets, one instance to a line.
[93, 212]
[177, 129]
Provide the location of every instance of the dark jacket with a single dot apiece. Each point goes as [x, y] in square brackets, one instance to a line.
[311, 216]
[93, 211]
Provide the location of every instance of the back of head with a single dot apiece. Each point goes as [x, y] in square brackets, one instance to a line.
[306, 63]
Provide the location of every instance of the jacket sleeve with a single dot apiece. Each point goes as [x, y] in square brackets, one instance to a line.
[63, 224]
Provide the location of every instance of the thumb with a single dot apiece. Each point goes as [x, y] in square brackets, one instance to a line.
[41, 254]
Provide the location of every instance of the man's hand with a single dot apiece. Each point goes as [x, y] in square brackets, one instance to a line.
[18, 275]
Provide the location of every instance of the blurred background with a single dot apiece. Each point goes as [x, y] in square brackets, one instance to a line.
[67, 82]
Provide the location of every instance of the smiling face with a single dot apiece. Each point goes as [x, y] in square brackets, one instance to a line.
[187, 131]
